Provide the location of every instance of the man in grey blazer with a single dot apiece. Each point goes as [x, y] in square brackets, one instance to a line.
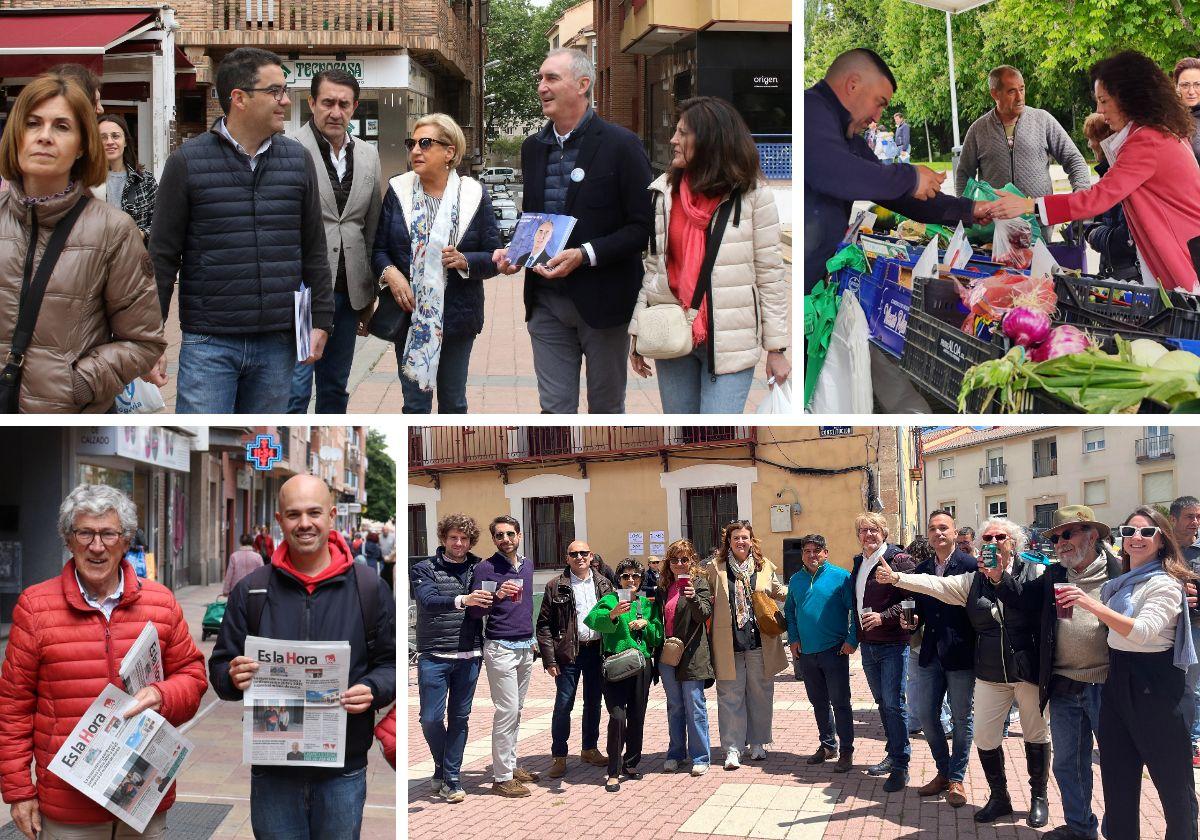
[350, 183]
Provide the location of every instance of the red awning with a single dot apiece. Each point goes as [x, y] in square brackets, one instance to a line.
[30, 43]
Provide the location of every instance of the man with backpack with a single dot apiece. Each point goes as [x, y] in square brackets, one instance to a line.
[312, 591]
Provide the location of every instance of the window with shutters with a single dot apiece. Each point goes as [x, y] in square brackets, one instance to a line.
[1095, 492]
[418, 539]
[997, 505]
[1093, 440]
[1158, 488]
[708, 510]
[551, 530]
[950, 508]
[946, 467]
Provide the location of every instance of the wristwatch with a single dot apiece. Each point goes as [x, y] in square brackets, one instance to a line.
[383, 283]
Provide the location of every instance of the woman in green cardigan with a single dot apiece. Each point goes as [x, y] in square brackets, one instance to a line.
[624, 625]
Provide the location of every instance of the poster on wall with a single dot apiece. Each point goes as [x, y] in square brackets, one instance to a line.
[372, 127]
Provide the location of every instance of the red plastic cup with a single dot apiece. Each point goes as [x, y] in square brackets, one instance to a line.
[1064, 612]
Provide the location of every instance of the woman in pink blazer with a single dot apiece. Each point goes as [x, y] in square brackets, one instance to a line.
[1154, 174]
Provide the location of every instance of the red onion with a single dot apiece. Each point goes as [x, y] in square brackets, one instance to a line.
[1026, 326]
[1063, 341]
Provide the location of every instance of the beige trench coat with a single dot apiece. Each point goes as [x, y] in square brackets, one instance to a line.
[774, 659]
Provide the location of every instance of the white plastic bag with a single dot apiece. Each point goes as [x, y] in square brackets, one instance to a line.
[779, 398]
[140, 397]
[845, 383]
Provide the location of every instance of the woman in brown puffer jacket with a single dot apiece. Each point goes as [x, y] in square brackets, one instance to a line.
[100, 325]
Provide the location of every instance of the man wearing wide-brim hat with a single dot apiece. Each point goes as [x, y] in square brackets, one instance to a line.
[1073, 656]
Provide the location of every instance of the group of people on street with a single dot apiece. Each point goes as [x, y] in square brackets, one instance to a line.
[1144, 210]
[955, 631]
[714, 620]
[70, 634]
[245, 219]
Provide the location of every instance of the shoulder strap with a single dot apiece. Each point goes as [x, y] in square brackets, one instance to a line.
[704, 284]
[259, 589]
[256, 597]
[655, 195]
[368, 602]
[33, 289]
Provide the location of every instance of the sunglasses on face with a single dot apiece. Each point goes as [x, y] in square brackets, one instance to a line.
[579, 554]
[424, 143]
[1065, 535]
[629, 576]
[1131, 530]
[996, 537]
[502, 535]
[680, 561]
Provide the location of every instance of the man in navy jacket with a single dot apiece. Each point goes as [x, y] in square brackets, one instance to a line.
[312, 595]
[578, 305]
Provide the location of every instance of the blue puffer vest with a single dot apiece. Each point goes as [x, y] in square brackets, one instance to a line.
[560, 163]
[242, 254]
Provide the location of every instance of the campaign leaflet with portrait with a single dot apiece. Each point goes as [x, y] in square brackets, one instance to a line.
[293, 713]
[539, 237]
[142, 665]
[126, 766]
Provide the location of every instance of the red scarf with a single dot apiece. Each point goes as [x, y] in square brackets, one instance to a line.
[687, 233]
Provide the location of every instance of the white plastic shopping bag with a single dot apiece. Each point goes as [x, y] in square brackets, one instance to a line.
[779, 398]
[140, 397]
[845, 383]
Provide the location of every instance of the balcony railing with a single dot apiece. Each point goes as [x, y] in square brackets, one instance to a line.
[292, 15]
[441, 447]
[1155, 448]
[1044, 466]
[993, 474]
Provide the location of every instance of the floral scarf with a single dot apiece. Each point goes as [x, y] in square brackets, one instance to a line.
[429, 235]
[743, 585]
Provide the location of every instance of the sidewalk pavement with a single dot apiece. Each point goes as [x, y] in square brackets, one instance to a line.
[216, 774]
[779, 798]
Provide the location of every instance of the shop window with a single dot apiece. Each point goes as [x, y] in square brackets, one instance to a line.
[418, 537]
[708, 510]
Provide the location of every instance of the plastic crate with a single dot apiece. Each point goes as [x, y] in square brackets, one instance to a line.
[1104, 303]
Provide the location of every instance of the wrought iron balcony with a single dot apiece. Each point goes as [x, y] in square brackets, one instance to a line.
[993, 474]
[1154, 448]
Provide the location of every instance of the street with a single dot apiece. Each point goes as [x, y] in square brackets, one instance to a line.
[779, 798]
[213, 792]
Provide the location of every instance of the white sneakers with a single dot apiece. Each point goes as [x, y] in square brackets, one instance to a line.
[670, 765]
[732, 759]
[758, 752]
[699, 769]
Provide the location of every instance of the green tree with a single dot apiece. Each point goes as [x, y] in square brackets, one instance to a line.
[381, 479]
[516, 37]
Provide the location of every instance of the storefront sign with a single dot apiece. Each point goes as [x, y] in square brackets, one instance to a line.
[343, 509]
[264, 453]
[764, 80]
[371, 71]
[144, 444]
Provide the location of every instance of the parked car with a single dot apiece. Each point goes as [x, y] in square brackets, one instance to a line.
[498, 190]
[506, 220]
[499, 175]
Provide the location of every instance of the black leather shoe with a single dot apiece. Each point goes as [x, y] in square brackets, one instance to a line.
[631, 774]
[822, 755]
[897, 780]
[881, 769]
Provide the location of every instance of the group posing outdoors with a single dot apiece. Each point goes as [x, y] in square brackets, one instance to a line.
[955, 631]
[245, 218]
[71, 633]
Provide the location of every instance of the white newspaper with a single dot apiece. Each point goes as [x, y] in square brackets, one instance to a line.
[303, 301]
[293, 713]
[142, 665]
[124, 765]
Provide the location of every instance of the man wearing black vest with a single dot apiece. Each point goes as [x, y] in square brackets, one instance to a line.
[349, 180]
[450, 648]
[238, 220]
[312, 592]
[578, 305]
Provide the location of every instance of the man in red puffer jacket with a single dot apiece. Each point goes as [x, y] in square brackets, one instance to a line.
[68, 638]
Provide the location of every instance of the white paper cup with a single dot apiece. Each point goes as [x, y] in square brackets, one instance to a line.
[489, 586]
[624, 595]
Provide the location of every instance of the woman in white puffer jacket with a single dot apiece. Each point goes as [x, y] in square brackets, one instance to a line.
[715, 161]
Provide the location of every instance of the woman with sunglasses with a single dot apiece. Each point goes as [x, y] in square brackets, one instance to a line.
[433, 250]
[745, 660]
[1006, 662]
[683, 605]
[625, 621]
[1143, 720]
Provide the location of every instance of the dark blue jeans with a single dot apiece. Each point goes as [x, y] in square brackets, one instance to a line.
[1074, 721]
[936, 684]
[446, 685]
[288, 807]
[451, 379]
[235, 374]
[884, 666]
[586, 666]
[826, 677]
[332, 370]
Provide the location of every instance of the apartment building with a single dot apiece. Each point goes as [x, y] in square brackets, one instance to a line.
[1025, 473]
[575, 30]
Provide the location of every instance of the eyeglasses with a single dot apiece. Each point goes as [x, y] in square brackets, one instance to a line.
[424, 143]
[1145, 533]
[655, 562]
[579, 554]
[1065, 535]
[996, 537]
[501, 535]
[277, 92]
[630, 576]
[1188, 85]
[85, 536]
[680, 561]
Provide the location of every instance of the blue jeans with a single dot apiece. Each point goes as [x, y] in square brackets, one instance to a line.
[827, 683]
[439, 681]
[291, 807]
[1074, 720]
[884, 666]
[686, 387]
[687, 717]
[587, 667]
[451, 379]
[235, 374]
[332, 370]
[936, 685]
[912, 687]
[1192, 689]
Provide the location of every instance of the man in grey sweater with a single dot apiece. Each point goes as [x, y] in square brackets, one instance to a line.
[1014, 143]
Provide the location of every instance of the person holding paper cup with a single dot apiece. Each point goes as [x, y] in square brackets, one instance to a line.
[630, 634]
[69, 636]
[312, 592]
[1005, 661]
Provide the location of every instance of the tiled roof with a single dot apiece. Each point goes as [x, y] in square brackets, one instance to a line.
[931, 445]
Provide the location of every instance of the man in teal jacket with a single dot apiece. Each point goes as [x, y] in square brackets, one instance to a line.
[819, 606]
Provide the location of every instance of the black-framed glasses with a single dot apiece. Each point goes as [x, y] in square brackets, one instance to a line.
[1066, 534]
[579, 554]
[1131, 530]
[996, 537]
[86, 536]
[630, 576]
[500, 535]
[424, 143]
[277, 92]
